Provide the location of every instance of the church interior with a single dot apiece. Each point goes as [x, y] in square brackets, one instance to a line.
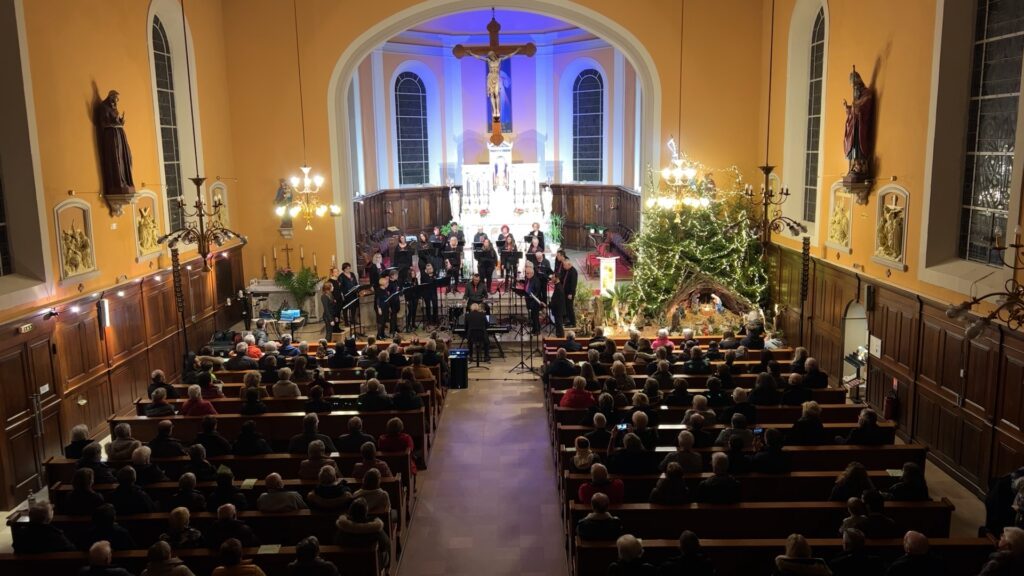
[559, 287]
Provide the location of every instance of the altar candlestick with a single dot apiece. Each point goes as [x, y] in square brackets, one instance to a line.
[334, 259]
[264, 260]
[314, 259]
[275, 253]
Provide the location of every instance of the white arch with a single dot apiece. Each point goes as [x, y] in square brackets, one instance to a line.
[565, 115]
[434, 132]
[169, 12]
[794, 159]
[587, 18]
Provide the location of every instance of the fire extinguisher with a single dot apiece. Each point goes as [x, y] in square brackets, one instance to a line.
[891, 405]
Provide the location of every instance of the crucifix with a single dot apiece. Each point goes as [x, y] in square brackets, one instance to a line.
[287, 256]
[493, 53]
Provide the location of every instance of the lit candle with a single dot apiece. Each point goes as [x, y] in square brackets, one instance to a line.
[314, 259]
[302, 253]
[334, 259]
[275, 252]
[264, 260]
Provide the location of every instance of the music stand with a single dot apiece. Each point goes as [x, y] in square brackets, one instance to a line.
[357, 329]
[387, 302]
[521, 367]
[458, 272]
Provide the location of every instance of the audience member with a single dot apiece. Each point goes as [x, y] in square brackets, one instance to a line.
[370, 462]
[309, 469]
[101, 562]
[211, 439]
[671, 488]
[814, 378]
[796, 392]
[277, 499]
[395, 439]
[600, 482]
[867, 432]
[308, 561]
[854, 481]
[159, 406]
[105, 527]
[701, 439]
[798, 559]
[765, 391]
[82, 500]
[299, 444]
[855, 559]
[697, 364]
[91, 455]
[632, 458]
[79, 440]
[739, 460]
[800, 355]
[578, 396]
[284, 387]
[180, 535]
[330, 493]
[196, 405]
[700, 406]
[406, 397]
[160, 562]
[769, 457]
[377, 499]
[252, 379]
[858, 515]
[691, 561]
[375, 399]
[229, 526]
[917, 559]
[241, 359]
[357, 529]
[808, 429]
[226, 492]
[630, 562]
[599, 524]
[600, 436]
[877, 524]
[354, 440]
[186, 496]
[253, 404]
[38, 536]
[912, 487]
[250, 442]
[208, 385]
[165, 445]
[583, 458]
[128, 498]
[684, 455]
[158, 381]
[198, 465]
[146, 472]
[739, 404]
[640, 419]
[738, 428]
[720, 488]
[1008, 560]
[233, 562]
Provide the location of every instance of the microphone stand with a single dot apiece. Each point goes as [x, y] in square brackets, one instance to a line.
[521, 367]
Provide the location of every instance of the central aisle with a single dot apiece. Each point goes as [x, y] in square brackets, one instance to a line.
[489, 504]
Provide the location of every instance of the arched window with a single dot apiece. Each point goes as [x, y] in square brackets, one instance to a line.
[815, 77]
[991, 130]
[587, 126]
[411, 124]
[163, 70]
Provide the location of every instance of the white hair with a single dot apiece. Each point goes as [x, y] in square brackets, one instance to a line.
[241, 348]
[662, 333]
[249, 339]
[195, 392]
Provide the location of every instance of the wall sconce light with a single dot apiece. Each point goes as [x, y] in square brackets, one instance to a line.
[103, 309]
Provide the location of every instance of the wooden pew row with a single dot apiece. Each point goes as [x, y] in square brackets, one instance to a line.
[233, 405]
[764, 519]
[279, 427]
[353, 561]
[287, 465]
[675, 367]
[565, 434]
[699, 381]
[766, 415]
[236, 376]
[819, 395]
[781, 355]
[755, 487]
[804, 458]
[961, 556]
[555, 342]
[162, 491]
[284, 528]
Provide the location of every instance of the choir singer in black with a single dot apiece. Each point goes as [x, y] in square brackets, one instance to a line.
[569, 279]
[487, 259]
[381, 306]
[430, 294]
[412, 298]
[476, 331]
[535, 294]
[453, 263]
[556, 308]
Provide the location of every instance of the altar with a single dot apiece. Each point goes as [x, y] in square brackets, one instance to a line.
[502, 193]
[267, 294]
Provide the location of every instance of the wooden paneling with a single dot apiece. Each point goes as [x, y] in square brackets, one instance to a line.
[411, 210]
[982, 372]
[90, 404]
[126, 334]
[129, 381]
[161, 315]
[942, 353]
[1010, 416]
[17, 378]
[833, 291]
[80, 350]
[583, 205]
[167, 356]
[1007, 453]
[896, 320]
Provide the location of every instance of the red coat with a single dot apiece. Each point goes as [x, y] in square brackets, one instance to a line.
[614, 489]
[197, 408]
[574, 398]
[399, 443]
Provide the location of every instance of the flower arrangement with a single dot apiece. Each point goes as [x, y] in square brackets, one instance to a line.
[484, 212]
[519, 211]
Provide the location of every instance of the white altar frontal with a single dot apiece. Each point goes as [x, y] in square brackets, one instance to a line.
[501, 193]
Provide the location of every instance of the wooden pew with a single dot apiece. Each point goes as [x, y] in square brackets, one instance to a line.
[667, 433]
[819, 395]
[161, 491]
[620, 341]
[233, 405]
[960, 556]
[764, 519]
[236, 376]
[766, 415]
[287, 465]
[806, 458]
[352, 561]
[279, 427]
[755, 487]
[676, 367]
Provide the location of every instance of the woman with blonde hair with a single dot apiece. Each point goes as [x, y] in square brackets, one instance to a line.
[798, 561]
[620, 380]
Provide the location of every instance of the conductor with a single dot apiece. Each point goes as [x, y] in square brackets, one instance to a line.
[476, 331]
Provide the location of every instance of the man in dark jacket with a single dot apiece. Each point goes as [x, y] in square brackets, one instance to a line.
[101, 562]
[917, 559]
[105, 527]
[241, 360]
[352, 442]
[599, 524]
[740, 405]
[158, 380]
[299, 444]
[211, 439]
[814, 378]
[101, 473]
[569, 279]
[229, 526]
[165, 445]
[128, 498]
[186, 496]
[855, 560]
[79, 440]
[867, 432]
[877, 524]
[691, 559]
[721, 488]
[38, 536]
[374, 399]
[571, 345]
[561, 366]
[558, 307]
[770, 459]
[308, 561]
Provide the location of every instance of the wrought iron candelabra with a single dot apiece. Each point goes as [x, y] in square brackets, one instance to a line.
[772, 219]
[1009, 302]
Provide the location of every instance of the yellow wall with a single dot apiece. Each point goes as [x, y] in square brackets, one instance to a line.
[78, 52]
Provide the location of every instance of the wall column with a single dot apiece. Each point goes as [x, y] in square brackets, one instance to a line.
[380, 138]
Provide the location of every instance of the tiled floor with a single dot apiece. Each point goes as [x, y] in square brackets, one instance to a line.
[488, 504]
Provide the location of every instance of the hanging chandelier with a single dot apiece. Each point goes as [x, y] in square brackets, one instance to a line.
[305, 202]
[684, 188]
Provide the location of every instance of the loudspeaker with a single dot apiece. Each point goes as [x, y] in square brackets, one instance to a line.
[869, 298]
[458, 360]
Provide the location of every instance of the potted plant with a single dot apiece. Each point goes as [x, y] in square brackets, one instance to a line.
[301, 285]
[555, 232]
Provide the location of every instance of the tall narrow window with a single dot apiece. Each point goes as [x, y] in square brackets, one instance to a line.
[5, 247]
[168, 124]
[814, 82]
[411, 121]
[587, 126]
[991, 128]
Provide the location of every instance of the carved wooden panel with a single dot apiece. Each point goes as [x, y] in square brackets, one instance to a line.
[126, 334]
[129, 381]
[942, 354]
[89, 404]
[895, 320]
[972, 455]
[159, 309]
[981, 374]
[21, 445]
[1008, 453]
[15, 386]
[1010, 415]
[43, 381]
[79, 348]
[166, 355]
[200, 299]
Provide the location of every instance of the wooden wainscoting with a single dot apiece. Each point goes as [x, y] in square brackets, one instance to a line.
[583, 205]
[83, 373]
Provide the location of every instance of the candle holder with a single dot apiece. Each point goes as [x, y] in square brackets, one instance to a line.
[264, 269]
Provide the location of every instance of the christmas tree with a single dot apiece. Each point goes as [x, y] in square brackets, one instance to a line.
[692, 227]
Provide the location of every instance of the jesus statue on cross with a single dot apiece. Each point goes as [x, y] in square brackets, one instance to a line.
[494, 54]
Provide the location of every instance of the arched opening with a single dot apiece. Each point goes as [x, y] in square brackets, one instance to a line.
[855, 337]
[351, 101]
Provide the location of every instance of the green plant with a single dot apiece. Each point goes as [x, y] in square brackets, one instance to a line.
[301, 285]
[618, 306]
[555, 231]
[447, 228]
